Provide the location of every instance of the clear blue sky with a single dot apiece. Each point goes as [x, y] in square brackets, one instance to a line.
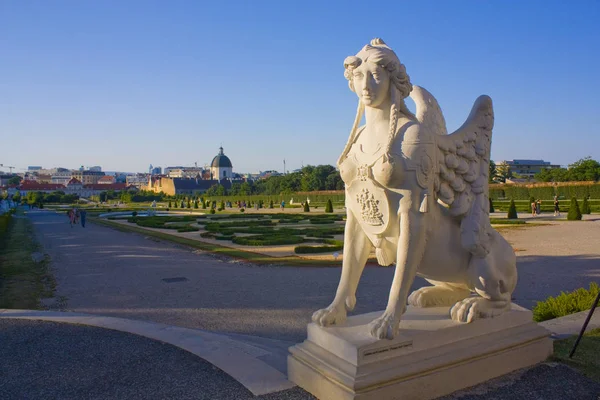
[124, 84]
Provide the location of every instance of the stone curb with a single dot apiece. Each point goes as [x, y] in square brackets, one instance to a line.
[236, 358]
[568, 325]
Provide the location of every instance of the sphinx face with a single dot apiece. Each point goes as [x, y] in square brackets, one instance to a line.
[371, 84]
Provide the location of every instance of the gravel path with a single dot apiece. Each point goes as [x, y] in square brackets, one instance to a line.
[104, 271]
[49, 360]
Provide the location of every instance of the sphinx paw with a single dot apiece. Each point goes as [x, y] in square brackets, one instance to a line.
[384, 327]
[330, 316]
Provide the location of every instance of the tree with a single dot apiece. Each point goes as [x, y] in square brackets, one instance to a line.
[491, 206]
[503, 172]
[182, 204]
[492, 172]
[329, 206]
[574, 211]
[512, 210]
[196, 203]
[306, 207]
[175, 204]
[585, 207]
[189, 203]
[271, 204]
[102, 197]
[585, 169]
[170, 205]
[15, 180]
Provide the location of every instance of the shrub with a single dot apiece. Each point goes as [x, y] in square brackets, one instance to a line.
[188, 229]
[196, 204]
[222, 205]
[329, 206]
[585, 207]
[574, 211]
[269, 239]
[134, 214]
[491, 205]
[498, 221]
[512, 210]
[203, 205]
[242, 210]
[566, 303]
[306, 207]
[170, 205]
[316, 249]
[212, 211]
[271, 204]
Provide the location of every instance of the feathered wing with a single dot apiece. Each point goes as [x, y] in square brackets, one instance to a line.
[462, 162]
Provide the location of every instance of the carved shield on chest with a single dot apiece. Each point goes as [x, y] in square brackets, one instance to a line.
[370, 205]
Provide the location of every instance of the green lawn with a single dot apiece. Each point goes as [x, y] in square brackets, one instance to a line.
[587, 356]
[23, 283]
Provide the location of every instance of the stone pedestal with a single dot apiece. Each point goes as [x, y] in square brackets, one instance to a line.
[432, 356]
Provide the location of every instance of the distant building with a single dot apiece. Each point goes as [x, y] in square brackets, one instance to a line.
[528, 168]
[96, 168]
[137, 180]
[220, 167]
[107, 180]
[156, 171]
[87, 177]
[33, 168]
[173, 186]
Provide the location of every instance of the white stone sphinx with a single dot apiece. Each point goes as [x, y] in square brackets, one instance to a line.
[418, 196]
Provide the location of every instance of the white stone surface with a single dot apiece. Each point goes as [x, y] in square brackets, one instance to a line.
[419, 197]
[433, 355]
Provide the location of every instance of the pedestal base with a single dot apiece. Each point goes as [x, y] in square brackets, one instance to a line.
[433, 355]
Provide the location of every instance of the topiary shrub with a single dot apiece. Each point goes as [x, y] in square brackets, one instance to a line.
[566, 303]
[271, 204]
[242, 210]
[512, 210]
[195, 203]
[203, 205]
[329, 206]
[222, 205]
[212, 211]
[585, 207]
[134, 213]
[491, 206]
[306, 207]
[574, 211]
[316, 249]
[170, 205]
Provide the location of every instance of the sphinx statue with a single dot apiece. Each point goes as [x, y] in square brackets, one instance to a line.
[418, 196]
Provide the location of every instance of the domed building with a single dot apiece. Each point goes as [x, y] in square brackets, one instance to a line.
[221, 167]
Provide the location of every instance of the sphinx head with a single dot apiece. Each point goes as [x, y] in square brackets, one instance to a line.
[375, 74]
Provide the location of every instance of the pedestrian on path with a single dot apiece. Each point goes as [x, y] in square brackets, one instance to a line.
[556, 207]
[82, 215]
[71, 214]
[538, 207]
[533, 208]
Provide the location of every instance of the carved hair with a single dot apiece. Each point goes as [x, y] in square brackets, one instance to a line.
[378, 52]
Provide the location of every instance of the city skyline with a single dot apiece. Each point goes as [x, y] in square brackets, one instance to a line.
[126, 86]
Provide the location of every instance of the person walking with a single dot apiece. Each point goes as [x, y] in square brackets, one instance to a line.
[556, 207]
[71, 214]
[533, 208]
[538, 207]
[82, 215]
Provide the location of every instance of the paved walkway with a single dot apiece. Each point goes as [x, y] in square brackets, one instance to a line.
[103, 271]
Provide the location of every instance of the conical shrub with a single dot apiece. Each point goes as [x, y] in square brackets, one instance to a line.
[306, 207]
[585, 207]
[491, 206]
[512, 210]
[329, 206]
[574, 211]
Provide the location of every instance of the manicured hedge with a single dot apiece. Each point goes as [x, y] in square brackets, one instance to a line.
[266, 240]
[545, 191]
[316, 249]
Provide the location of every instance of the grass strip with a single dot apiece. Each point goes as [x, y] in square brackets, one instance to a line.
[23, 282]
[586, 358]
